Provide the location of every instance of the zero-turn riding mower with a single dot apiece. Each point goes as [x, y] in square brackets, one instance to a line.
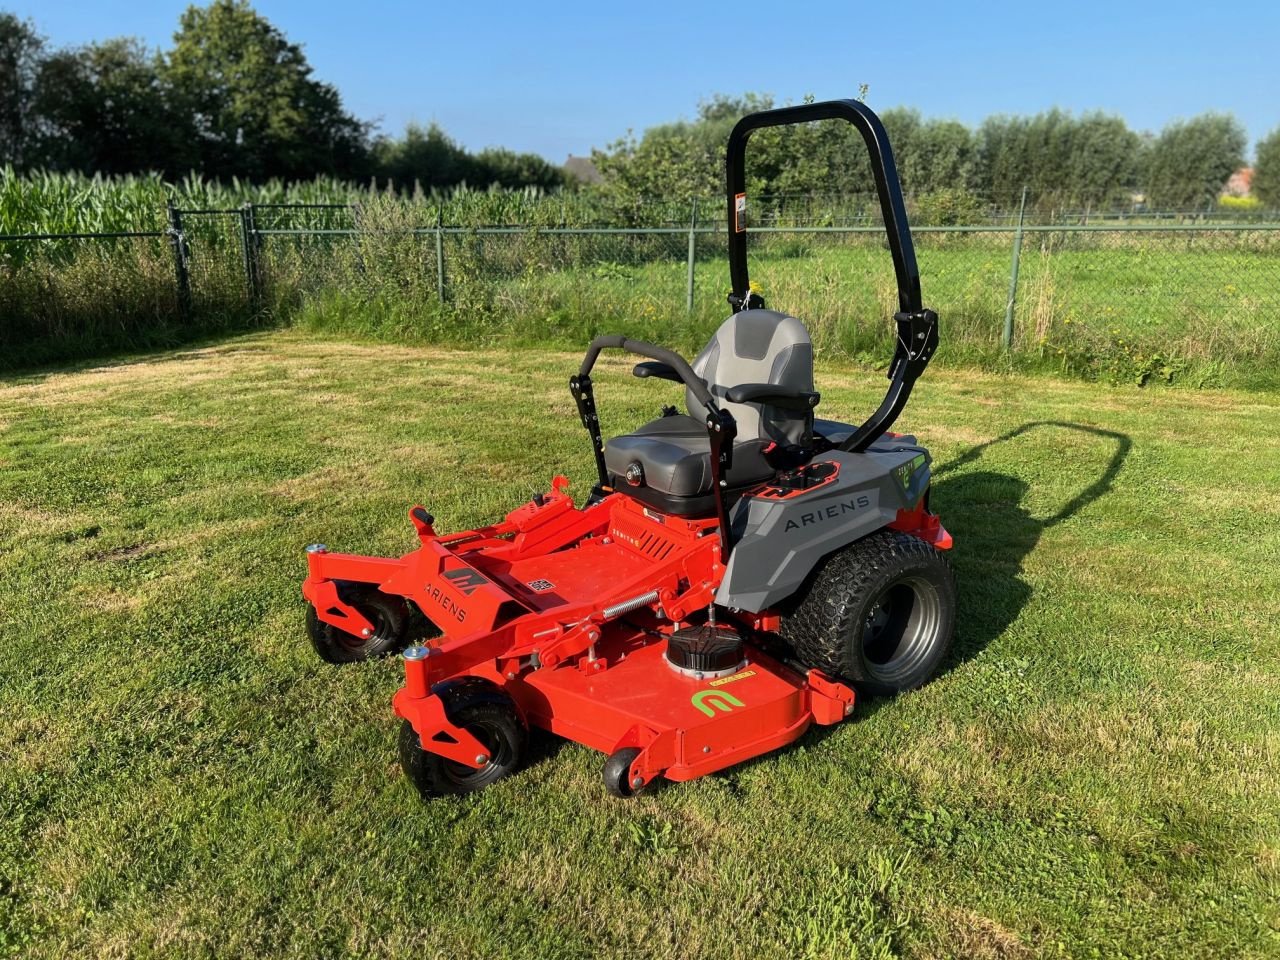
[735, 574]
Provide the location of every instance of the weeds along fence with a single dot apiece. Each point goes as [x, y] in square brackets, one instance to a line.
[1135, 301]
[70, 295]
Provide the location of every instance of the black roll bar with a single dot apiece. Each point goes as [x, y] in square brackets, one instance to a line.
[917, 328]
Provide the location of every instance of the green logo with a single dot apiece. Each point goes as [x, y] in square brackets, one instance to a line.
[908, 470]
[705, 700]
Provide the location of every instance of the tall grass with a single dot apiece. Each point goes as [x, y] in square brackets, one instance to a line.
[68, 298]
[1197, 307]
[1200, 309]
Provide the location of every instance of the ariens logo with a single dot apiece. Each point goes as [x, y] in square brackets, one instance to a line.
[463, 579]
[466, 580]
[829, 512]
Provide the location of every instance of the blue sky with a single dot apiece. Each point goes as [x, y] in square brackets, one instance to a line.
[561, 77]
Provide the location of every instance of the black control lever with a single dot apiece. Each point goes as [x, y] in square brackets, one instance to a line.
[722, 430]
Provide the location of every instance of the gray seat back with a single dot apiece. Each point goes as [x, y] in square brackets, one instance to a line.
[757, 346]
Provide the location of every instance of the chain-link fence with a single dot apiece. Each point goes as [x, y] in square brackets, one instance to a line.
[1138, 299]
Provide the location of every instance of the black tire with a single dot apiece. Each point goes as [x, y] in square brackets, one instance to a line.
[617, 773]
[489, 716]
[389, 616]
[879, 614]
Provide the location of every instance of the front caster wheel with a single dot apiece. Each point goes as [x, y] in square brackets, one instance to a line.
[617, 774]
[388, 614]
[490, 717]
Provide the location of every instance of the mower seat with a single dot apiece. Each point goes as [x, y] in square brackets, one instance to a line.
[674, 454]
[667, 462]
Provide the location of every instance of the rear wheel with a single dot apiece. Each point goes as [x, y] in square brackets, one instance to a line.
[388, 614]
[488, 715]
[879, 614]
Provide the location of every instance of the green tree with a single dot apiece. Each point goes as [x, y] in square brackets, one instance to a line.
[946, 155]
[686, 158]
[425, 156]
[931, 155]
[104, 110]
[21, 53]
[1063, 160]
[1190, 161]
[904, 126]
[669, 161]
[823, 158]
[1103, 161]
[257, 111]
[1049, 137]
[1266, 170]
[1002, 168]
[507, 168]
[673, 160]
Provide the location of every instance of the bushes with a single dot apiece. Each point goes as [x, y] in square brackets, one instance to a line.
[1242, 204]
[951, 207]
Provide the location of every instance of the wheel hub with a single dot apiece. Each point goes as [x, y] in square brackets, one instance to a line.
[898, 626]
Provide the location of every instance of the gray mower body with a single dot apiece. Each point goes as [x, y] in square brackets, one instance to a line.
[778, 542]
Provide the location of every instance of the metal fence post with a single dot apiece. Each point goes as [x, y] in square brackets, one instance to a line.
[1007, 340]
[249, 247]
[693, 240]
[180, 256]
[439, 254]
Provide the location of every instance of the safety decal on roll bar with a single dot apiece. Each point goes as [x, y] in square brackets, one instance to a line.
[740, 213]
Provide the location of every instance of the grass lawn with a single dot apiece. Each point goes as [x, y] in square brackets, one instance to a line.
[1096, 774]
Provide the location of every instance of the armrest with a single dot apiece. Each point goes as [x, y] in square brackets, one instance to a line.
[789, 398]
[655, 368]
[697, 386]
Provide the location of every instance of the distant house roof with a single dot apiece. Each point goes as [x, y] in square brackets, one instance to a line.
[1240, 183]
[582, 169]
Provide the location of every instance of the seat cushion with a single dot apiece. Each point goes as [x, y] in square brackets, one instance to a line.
[757, 346]
[674, 456]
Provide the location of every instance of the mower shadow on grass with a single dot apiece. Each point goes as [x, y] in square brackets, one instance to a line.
[994, 534]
